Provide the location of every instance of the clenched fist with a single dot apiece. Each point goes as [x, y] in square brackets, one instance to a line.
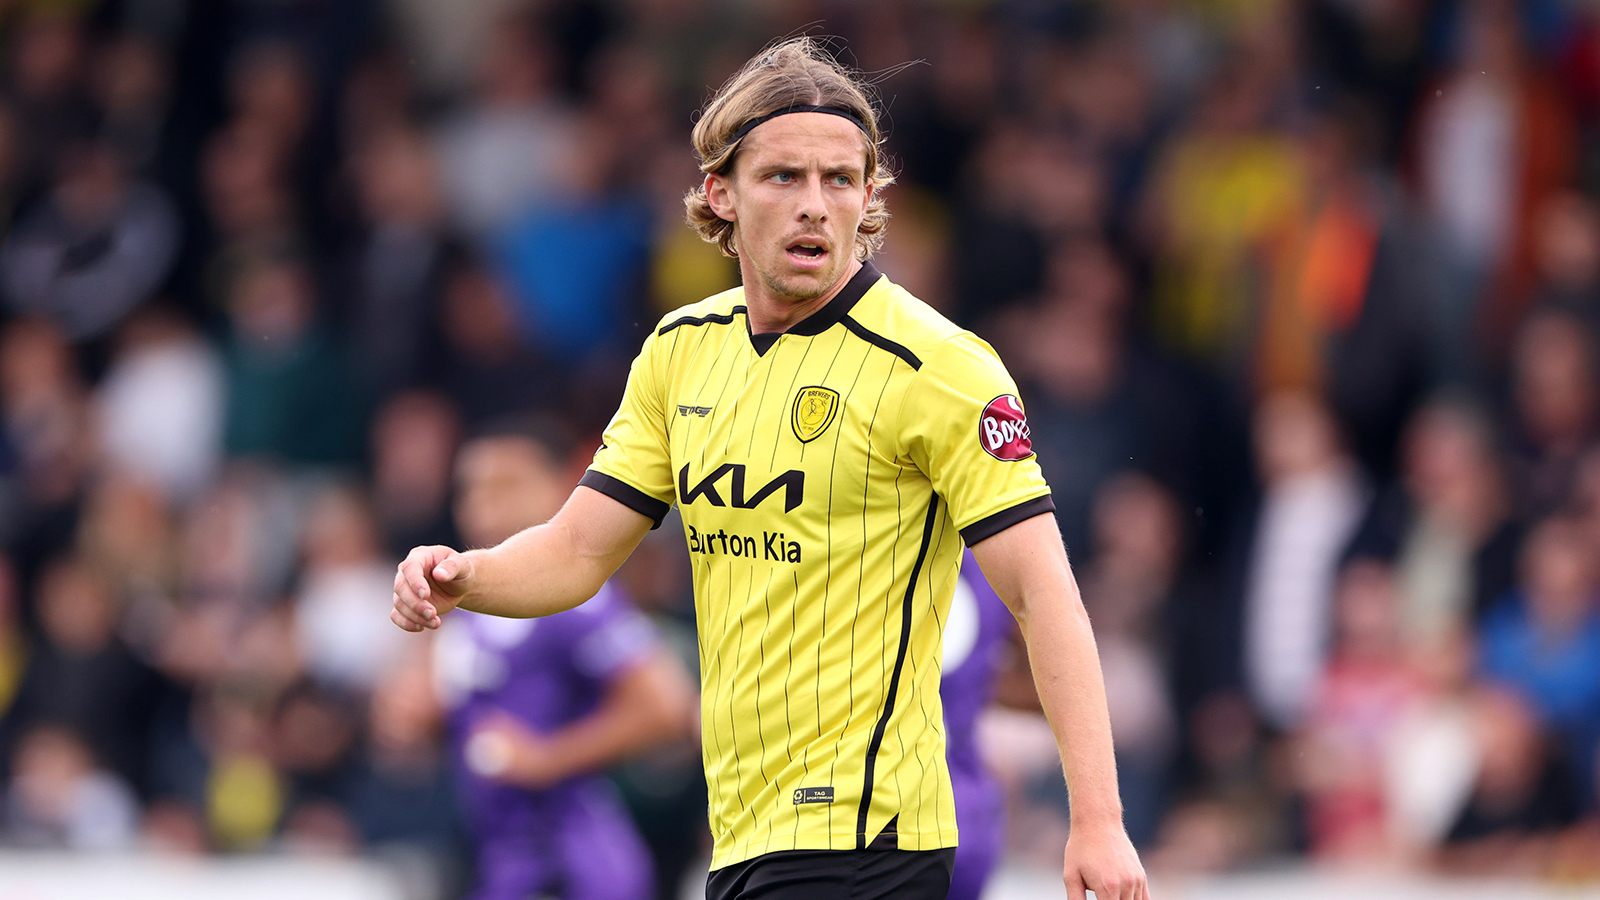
[429, 583]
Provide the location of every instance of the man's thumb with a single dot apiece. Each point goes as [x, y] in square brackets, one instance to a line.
[449, 569]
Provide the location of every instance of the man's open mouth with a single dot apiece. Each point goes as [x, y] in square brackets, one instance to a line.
[807, 250]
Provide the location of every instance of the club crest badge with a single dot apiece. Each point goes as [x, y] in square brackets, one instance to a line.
[814, 410]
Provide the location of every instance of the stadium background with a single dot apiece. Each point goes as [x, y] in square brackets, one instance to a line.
[1302, 297]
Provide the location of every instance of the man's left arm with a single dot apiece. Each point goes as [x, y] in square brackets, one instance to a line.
[648, 704]
[1027, 566]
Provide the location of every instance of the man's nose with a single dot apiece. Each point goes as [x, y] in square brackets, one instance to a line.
[812, 207]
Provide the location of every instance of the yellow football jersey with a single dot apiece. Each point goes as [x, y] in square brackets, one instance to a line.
[827, 478]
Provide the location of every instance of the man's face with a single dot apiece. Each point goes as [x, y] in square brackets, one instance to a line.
[797, 193]
[505, 484]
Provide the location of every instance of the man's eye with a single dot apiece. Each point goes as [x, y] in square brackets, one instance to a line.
[782, 177]
[843, 180]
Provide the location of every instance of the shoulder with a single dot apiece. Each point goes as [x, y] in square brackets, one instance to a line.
[893, 314]
[717, 309]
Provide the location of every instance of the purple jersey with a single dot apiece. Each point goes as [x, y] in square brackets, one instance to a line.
[974, 637]
[547, 673]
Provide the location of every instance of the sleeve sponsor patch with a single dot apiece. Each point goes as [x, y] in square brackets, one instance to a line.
[1003, 429]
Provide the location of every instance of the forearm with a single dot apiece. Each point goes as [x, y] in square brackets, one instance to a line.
[539, 571]
[651, 712]
[1066, 670]
[1027, 566]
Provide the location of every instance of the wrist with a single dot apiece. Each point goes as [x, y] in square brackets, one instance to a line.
[1097, 821]
[471, 563]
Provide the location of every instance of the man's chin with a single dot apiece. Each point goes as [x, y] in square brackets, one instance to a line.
[802, 286]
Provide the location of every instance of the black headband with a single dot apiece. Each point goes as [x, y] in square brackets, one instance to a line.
[839, 111]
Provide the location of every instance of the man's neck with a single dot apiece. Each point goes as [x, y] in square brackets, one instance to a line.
[771, 313]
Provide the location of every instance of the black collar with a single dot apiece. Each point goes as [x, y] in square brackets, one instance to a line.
[826, 317]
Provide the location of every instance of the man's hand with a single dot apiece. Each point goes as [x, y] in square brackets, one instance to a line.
[503, 749]
[1104, 861]
[429, 583]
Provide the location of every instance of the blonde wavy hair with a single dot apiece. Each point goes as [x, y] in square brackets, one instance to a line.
[793, 72]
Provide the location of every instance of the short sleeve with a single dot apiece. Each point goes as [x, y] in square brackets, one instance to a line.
[963, 425]
[633, 465]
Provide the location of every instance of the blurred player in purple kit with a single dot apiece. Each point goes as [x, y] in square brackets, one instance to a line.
[975, 638]
[539, 706]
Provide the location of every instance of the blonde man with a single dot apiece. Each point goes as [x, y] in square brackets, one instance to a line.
[831, 442]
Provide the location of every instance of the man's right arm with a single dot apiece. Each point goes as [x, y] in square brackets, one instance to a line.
[539, 571]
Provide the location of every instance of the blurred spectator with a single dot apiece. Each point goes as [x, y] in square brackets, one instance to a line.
[414, 438]
[1555, 397]
[1544, 640]
[240, 542]
[951, 103]
[249, 207]
[1431, 752]
[244, 793]
[288, 382]
[1567, 243]
[60, 799]
[1313, 500]
[313, 745]
[1223, 212]
[1447, 526]
[43, 400]
[391, 276]
[95, 248]
[1097, 401]
[347, 577]
[132, 84]
[573, 265]
[82, 676]
[684, 269]
[1346, 319]
[1493, 139]
[515, 146]
[269, 86]
[1133, 576]
[486, 367]
[1103, 90]
[1234, 813]
[128, 533]
[1004, 258]
[1523, 795]
[404, 796]
[45, 85]
[174, 828]
[1367, 688]
[161, 406]
[446, 41]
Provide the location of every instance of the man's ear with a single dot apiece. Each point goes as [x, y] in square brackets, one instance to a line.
[866, 199]
[719, 196]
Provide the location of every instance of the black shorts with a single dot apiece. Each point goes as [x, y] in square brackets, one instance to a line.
[837, 875]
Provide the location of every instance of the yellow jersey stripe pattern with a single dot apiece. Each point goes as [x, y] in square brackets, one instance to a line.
[827, 477]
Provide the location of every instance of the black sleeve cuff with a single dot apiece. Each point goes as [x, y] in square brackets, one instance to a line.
[989, 526]
[627, 495]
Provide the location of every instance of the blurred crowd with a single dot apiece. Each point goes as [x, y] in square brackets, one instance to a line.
[1303, 298]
